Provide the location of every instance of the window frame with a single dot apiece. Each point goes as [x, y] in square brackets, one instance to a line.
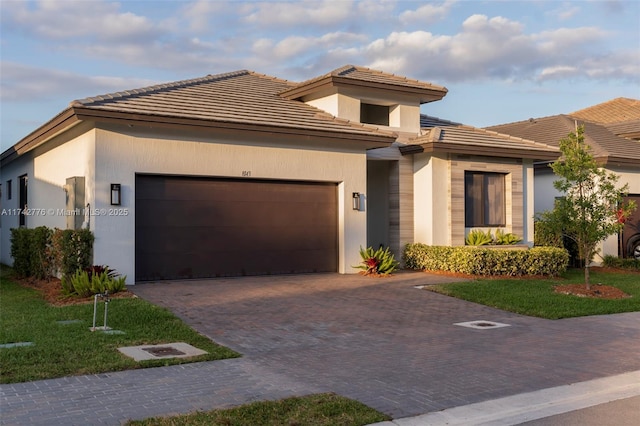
[375, 114]
[484, 214]
[23, 198]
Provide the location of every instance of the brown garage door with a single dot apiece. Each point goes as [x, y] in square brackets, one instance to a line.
[200, 227]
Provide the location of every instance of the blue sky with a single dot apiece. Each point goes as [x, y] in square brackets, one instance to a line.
[502, 61]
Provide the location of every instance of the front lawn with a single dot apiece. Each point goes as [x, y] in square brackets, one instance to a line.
[71, 349]
[536, 297]
[313, 410]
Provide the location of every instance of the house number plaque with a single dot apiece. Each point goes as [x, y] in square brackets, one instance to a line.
[246, 173]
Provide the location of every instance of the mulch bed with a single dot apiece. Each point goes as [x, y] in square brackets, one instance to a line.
[51, 290]
[597, 291]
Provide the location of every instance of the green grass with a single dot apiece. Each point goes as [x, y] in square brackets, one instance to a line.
[64, 350]
[535, 297]
[313, 410]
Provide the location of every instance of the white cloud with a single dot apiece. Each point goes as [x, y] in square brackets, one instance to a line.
[22, 83]
[200, 13]
[371, 10]
[298, 14]
[296, 46]
[565, 11]
[497, 48]
[427, 14]
[63, 20]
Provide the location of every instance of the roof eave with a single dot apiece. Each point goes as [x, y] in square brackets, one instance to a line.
[374, 140]
[77, 113]
[61, 122]
[425, 95]
[452, 148]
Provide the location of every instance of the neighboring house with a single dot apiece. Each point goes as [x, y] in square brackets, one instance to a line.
[242, 173]
[612, 130]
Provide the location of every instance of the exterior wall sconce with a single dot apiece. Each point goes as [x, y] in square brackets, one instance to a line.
[355, 201]
[115, 194]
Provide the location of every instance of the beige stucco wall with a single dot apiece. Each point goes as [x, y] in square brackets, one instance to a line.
[47, 169]
[515, 188]
[9, 217]
[404, 114]
[439, 197]
[123, 154]
[432, 201]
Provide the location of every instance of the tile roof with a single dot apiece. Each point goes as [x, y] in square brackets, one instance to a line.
[240, 97]
[366, 74]
[365, 77]
[549, 130]
[444, 135]
[613, 111]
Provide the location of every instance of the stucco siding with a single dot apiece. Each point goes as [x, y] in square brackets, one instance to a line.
[515, 191]
[51, 170]
[47, 171]
[432, 200]
[123, 154]
[9, 214]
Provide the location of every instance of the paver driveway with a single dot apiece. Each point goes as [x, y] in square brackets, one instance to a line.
[380, 341]
[392, 346]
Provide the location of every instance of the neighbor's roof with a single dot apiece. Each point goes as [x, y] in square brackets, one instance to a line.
[613, 111]
[361, 77]
[446, 136]
[605, 145]
[236, 101]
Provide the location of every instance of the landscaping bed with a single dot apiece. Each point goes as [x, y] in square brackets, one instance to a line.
[614, 291]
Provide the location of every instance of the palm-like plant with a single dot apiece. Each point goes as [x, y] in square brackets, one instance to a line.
[377, 262]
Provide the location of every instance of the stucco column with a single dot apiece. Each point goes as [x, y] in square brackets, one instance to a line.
[400, 204]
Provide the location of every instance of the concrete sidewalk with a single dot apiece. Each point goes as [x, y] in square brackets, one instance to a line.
[561, 405]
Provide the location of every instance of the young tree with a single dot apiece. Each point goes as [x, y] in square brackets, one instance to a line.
[591, 209]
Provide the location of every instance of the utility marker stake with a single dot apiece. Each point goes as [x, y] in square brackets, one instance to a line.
[105, 297]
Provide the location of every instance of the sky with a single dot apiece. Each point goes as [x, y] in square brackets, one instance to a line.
[502, 61]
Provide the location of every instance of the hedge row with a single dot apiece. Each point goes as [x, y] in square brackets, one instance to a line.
[485, 261]
[42, 252]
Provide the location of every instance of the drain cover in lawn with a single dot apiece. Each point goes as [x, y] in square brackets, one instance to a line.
[165, 350]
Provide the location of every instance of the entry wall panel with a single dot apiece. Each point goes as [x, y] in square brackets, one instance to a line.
[204, 227]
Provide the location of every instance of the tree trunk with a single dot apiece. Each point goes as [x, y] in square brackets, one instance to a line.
[586, 275]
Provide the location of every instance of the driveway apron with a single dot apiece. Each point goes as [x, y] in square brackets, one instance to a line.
[381, 341]
[393, 346]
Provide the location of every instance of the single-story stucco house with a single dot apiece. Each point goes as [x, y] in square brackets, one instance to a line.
[612, 131]
[243, 173]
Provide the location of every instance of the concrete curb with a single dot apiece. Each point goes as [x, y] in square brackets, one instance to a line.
[529, 406]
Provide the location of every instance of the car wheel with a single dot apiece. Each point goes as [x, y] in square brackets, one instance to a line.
[633, 247]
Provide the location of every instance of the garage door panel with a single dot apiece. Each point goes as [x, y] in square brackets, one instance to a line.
[198, 227]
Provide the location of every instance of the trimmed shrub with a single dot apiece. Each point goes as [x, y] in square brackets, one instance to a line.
[484, 261]
[616, 262]
[41, 252]
[73, 250]
[21, 251]
[32, 252]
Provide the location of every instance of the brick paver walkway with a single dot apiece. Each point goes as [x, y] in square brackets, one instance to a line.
[380, 341]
